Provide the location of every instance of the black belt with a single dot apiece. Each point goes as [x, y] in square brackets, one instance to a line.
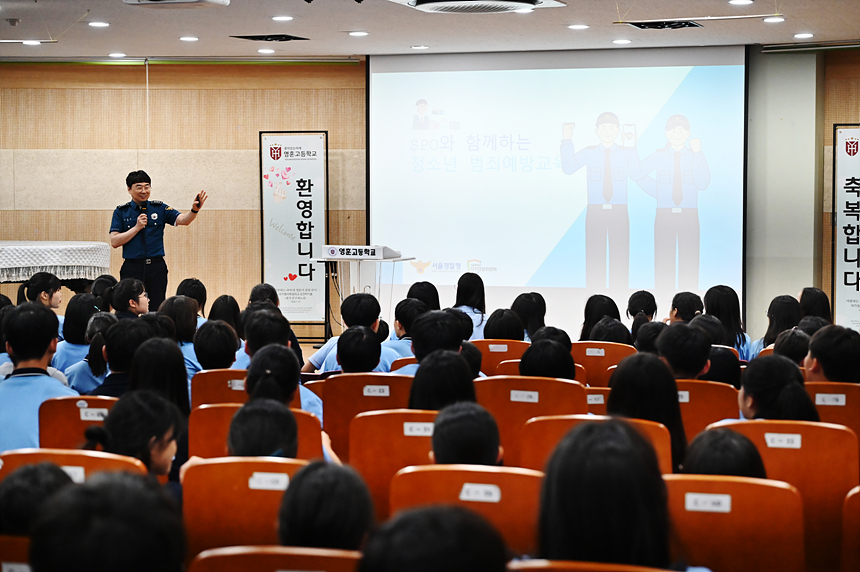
[149, 260]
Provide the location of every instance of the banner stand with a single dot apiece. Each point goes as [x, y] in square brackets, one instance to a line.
[845, 222]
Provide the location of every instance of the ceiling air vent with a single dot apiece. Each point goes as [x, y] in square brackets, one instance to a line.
[270, 38]
[477, 6]
[665, 25]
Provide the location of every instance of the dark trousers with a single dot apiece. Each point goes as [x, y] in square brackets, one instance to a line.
[153, 275]
[607, 228]
[681, 230]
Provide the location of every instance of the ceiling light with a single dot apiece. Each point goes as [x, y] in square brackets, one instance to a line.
[358, 34]
[774, 19]
[188, 39]
[803, 36]
[578, 26]
[282, 18]
[621, 42]
[31, 42]
[420, 47]
[99, 24]
[740, 2]
[524, 10]
[266, 51]
[117, 55]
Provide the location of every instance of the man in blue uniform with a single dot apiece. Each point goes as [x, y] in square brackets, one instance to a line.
[609, 167]
[144, 251]
[682, 172]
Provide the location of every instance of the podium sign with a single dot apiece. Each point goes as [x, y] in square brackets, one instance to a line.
[293, 191]
[846, 226]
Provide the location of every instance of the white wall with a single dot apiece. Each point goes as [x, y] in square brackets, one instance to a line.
[784, 179]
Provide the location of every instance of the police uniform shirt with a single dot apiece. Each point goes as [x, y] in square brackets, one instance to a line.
[624, 164]
[150, 242]
[695, 176]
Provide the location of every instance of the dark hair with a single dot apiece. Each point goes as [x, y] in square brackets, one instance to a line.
[325, 506]
[604, 500]
[531, 309]
[159, 366]
[610, 330]
[4, 311]
[443, 377]
[98, 288]
[263, 292]
[114, 521]
[504, 325]
[473, 357]
[162, 325]
[122, 340]
[687, 305]
[793, 344]
[814, 302]
[193, 288]
[711, 325]
[407, 310]
[29, 329]
[435, 330]
[183, 311]
[24, 491]
[725, 367]
[215, 344]
[78, 312]
[450, 538]
[641, 301]
[5, 301]
[811, 324]
[119, 295]
[263, 428]
[686, 348]
[382, 331]
[723, 452]
[132, 423]
[98, 324]
[554, 334]
[358, 350]
[137, 177]
[470, 292]
[360, 310]
[783, 314]
[426, 292]
[36, 284]
[464, 322]
[548, 358]
[643, 388]
[722, 301]
[646, 337]
[596, 307]
[226, 309]
[465, 433]
[776, 386]
[273, 374]
[837, 349]
[265, 326]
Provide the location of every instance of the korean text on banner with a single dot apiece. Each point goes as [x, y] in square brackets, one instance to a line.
[846, 217]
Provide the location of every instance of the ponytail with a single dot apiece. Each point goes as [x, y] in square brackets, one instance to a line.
[274, 373]
[640, 319]
[95, 357]
[38, 283]
[266, 387]
[22, 296]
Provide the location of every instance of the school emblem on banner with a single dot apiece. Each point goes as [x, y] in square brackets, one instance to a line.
[851, 147]
[275, 152]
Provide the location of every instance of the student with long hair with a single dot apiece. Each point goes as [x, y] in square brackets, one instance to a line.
[263, 428]
[443, 377]
[596, 307]
[782, 314]
[814, 302]
[194, 288]
[531, 309]
[183, 311]
[722, 301]
[128, 298]
[504, 324]
[471, 300]
[98, 288]
[89, 373]
[44, 288]
[724, 452]
[74, 346]
[610, 330]
[772, 388]
[159, 366]
[427, 293]
[641, 308]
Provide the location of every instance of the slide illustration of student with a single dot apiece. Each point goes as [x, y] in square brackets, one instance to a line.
[608, 166]
[682, 172]
[421, 120]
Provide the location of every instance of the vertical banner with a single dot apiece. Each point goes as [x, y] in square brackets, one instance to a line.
[294, 190]
[846, 225]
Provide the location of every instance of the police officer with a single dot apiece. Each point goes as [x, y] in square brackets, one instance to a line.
[144, 251]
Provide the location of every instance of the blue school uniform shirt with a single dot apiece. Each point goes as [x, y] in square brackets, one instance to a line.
[479, 320]
[311, 402]
[756, 348]
[68, 355]
[200, 321]
[4, 358]
[21, 395]
[318, 359]
[403, 347]
[745, 349]
[62, 320]
[81, 377]
[386, 358]
[408, 369]
[192, 366]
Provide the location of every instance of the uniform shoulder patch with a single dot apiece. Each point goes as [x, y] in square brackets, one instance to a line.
[122, 205]
[156, 203]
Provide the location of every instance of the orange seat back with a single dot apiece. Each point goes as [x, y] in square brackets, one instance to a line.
[705, 402]
[851, 531]
[79, 465]
[597, 357]
[63, 420]
[218, 386]
[508, 367]
[14, 552]
[836, 402]
[514, 399]
[401, 362]
[494, 352]
[271, 558]
[768, 351]
[565, 565]
[383, 442]
[597, 399]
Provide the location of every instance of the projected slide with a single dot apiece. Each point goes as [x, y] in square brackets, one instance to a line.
[607, 179]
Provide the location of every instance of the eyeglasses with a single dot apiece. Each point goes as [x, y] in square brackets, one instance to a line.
[145, 295]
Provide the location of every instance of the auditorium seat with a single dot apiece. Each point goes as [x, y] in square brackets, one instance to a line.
[514, 399]
[728, 524]
[401, 362]
[494, 352]
[234, 501]
[836, 402]
[383, 442]
[705, 402]
[596, 357]
[597, 397]
[508, 497]
[768, 351]
[851, 531]
[316, 387]
[540, 436]
[80, 465]
[348, 394]
[14, 553]
[218, 386]
[822, 461]
[63, 420]
[208, 426]
[274, 558]
[508, 367]
[566, 565]
[730, 348]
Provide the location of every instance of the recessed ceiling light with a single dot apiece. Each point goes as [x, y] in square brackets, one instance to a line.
[420, 47]
[524, 10]
[266, 51]
[189, 39]
[358, 34]
[740, 2]
[117, 55]
[774, 19]
[282, 18]
[803, 36]
[99, 24]
[578, 26]
[621, 42]
[31, 42]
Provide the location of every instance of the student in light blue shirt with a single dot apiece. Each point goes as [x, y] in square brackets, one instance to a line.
[44, 288]
[274, 374]
[436, 330]
[183, 311]
[471, 300]
[86, 375]
[404, 314]
[358, 350]
[194, 288]
[74, 346]
[722, 301]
